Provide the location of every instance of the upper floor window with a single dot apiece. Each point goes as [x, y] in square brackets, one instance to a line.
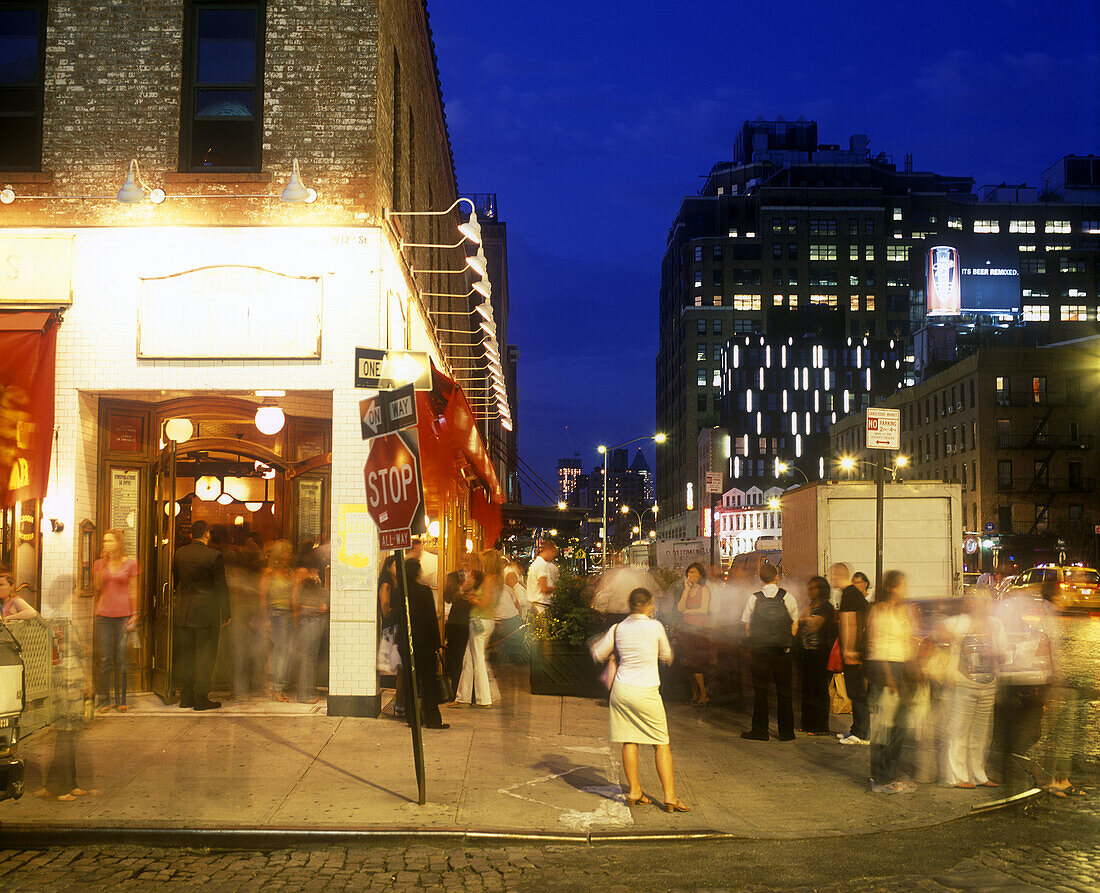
[22, 66]
[222, 106]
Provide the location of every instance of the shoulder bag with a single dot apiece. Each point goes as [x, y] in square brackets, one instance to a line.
[607, 676]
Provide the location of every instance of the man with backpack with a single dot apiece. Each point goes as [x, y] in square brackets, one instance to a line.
[771, 620]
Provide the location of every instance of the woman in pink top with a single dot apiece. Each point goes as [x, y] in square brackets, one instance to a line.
[115, 576]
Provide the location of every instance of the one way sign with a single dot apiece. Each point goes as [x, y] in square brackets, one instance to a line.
[388, 412]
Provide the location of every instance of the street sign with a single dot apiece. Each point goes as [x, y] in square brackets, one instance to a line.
[971, 545]
[714, 482]
[990, 526]
[388, 411]
[394, 488]
[380, 369]
[884, 429]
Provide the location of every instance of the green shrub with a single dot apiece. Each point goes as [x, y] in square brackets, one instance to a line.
[569, 618]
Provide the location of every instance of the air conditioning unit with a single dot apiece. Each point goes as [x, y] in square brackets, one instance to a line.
[950, 409]
[959, 405]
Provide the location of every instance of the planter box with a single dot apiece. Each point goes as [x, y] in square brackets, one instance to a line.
[568, 670]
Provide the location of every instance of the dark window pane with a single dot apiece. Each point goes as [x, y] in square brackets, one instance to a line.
[227, 46]
[18, 46]
[18, 143]
[222, 144]
[19, 101]
[224, 104]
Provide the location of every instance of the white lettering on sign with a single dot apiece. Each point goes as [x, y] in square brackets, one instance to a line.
[883, 429]
[372, 418]
[390, 485]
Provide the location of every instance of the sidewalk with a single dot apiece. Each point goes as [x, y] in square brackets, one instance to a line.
[531, 765]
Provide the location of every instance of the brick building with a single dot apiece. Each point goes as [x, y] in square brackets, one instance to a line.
[1016, 428]
[249, 255]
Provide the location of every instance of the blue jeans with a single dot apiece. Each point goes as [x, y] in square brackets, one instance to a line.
[282, 640]
[311, 625]
[110, 640]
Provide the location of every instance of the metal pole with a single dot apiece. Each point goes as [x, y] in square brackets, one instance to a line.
[878, 527]
[605, 452]
[713, 538]
[412, 695]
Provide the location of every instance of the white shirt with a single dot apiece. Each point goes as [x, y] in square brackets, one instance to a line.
[429, 569]
[541, 569]
[770, 591]
[640, 642]
[506, 604]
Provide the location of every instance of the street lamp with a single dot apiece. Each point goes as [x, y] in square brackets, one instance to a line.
[656, 438]
[849, 463]
[627, 510]
[783, 468]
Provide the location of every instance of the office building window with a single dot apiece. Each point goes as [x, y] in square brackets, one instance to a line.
[1036, 313]
[1033, 265]
[792, 301]
[954, 223]
[853, 303]
[853, 252]
[701, 326]
[1058, 246]
[717, 327]
[1021, 226]
[746, 302]
[897, 213]
[700, 402]
[1066, 265]
[698, 254]
[792, 251]
[1074, 313]
[777, 225]
[698, 301]
[1056, 226]
[222, 107]
[853, 227]
[716, 378]
[869, 252]
[701, 352]
[716, 353]
[828, 300]
[701, 378]
[22, 80]
[987, 226]
[897, 252]
[1039, 389]
[1026, 246]
[717, 253]
[716, 278]
[869, 303]
[1090, 226]
[698, 278]
[792, 276]
[822, 251]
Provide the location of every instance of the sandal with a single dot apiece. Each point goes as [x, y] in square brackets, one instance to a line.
[66, 798]
[701, 703]
[640, 800]
[676, 806]
[280, 697]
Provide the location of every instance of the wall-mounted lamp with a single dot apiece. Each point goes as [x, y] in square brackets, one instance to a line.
[470, 230]
[295, 191]
[51, 525]
[134, 189]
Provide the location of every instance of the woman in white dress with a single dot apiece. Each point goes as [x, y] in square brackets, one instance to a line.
[637, 712]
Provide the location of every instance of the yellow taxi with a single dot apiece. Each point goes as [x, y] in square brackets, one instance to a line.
[1075, 587]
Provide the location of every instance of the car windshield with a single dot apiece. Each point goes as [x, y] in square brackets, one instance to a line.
[1082, 577]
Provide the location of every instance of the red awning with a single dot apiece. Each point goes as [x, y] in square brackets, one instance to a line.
[28, 346]
[453, 456]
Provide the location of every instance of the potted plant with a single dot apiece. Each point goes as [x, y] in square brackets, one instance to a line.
[561, 663]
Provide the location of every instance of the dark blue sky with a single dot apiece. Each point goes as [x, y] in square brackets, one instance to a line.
[591, 120]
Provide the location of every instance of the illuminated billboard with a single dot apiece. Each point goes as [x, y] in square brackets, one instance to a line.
[970, 274]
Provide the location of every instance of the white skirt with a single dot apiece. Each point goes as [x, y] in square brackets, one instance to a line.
[637, 715]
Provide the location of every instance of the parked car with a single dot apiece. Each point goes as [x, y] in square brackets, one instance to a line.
[1077, 588]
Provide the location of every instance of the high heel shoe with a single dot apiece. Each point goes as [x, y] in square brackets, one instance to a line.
[640, 800]
[675, 806]
[701, 703]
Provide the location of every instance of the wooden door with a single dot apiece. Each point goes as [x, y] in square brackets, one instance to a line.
[164, 548]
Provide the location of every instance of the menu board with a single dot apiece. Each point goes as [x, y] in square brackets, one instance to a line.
[310, 507]
[125, 498]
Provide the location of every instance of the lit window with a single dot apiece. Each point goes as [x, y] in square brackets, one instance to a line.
[792, 301]
[1021, 226]
[698, 300]
[853, 303]
[701, 378]
[701, 352]
[1090, 226]
[987, 226]
[1066, 265]
[829, 300]
[733, 234]
[698, 278]
[746, 302]
[954, 223]
[822, 251]
[716, 379]
[1036, 313]
[853, 252]
[1058, 246]
[868, 252]
[897, 252]
[1027, 247]
[870, 302]
[1074, 313]
[1056, 226]
[897, 213]
[717, 300]
[777, 224]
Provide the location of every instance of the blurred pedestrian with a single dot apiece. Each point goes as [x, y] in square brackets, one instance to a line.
[277, 590]
[311, 600]
[458, 595]
[771, 621]
[389, 657]
[890, 662]
[853, 634]
[978, 648]
[12, 606]
[637, 712]
[508, 635]
[202, 610]
[426, 645]
[817, 634]
[542, 576]
[696, 650]
[114, 578]
[473, 682]
[860, 581]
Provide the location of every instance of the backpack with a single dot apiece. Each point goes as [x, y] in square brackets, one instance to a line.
[770, 624]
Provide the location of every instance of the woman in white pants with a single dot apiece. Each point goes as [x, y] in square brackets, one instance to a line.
[978, 647]
[473, 684]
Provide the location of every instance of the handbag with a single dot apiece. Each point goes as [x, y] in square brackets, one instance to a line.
[835, 663]
[389, 658]
[607, 675]
[444, 688]
[838, 695]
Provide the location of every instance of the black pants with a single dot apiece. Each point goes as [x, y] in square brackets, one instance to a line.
[458, 636]
[815, 691]
[429, 701]
[855, 681]
[771, 664]
[196, 653]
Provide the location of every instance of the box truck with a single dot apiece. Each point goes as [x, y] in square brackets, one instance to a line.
[828, 522]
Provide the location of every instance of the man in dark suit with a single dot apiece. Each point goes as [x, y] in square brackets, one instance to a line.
[202, 608]
[426, 645]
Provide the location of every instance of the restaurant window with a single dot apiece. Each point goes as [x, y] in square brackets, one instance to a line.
[222, 104]
[22, 79]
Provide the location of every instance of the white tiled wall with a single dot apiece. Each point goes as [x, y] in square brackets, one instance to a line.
[97, 356]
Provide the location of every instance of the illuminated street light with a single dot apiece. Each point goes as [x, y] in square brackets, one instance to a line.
[604, 450]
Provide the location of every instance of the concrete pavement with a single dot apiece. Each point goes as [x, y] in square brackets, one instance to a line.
[532, 765]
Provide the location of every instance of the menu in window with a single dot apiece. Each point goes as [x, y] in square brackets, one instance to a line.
[125, 498]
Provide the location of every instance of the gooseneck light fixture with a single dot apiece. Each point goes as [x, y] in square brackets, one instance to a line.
[134, 189]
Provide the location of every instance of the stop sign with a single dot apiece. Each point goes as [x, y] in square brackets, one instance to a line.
[394, 490]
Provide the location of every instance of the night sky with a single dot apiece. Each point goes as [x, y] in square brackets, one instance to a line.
[591, 120]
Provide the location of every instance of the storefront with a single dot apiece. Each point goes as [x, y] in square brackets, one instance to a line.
[208, 373]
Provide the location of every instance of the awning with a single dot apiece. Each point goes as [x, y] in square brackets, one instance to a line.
[28, 347]
[453, 457]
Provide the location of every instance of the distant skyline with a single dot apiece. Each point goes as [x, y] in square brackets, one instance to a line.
[591, 121]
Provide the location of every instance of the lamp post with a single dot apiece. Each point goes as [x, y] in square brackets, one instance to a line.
[848, 463]
[627, 510]
[784, 467]
[656, 438]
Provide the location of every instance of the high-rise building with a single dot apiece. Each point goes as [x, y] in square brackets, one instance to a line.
[569, 472]
[791, 223]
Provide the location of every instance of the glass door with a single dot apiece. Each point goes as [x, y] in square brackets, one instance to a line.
[164, 548]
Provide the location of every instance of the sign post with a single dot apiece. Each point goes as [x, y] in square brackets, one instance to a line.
[883, 433]
[714, 492]
[395, 496]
